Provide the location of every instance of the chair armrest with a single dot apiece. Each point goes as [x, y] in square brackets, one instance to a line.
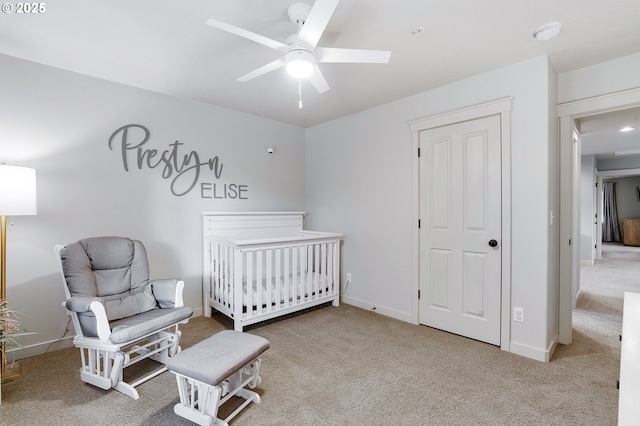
[168, 292]
[80, 305]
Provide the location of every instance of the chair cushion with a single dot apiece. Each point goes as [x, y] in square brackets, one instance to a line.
[112, 268]
[137, 326]
[125, 305]
[81, 280]
[120, 264]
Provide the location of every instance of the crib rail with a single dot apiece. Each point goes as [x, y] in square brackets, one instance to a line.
[255, 280]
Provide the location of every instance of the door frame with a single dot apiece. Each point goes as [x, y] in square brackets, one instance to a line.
[501, 107]
[568, 113]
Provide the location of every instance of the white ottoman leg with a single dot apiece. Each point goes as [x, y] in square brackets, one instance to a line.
[199, 402]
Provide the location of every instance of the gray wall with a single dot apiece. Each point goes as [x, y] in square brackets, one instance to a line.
[359, 181]
[60, 123]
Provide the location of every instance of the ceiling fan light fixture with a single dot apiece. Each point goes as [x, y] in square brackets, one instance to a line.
[300, 63]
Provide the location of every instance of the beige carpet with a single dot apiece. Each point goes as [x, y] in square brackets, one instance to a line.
[348, 366]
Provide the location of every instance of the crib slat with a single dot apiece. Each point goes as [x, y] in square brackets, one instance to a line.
[271, 297]
[336, 268]
[306, 281]
[317, 248]
[259, 283]
[278, 269]
[220, 276]
[329, 272]
[221, 292]
[311, 248]
[249, 283]
[227, 279]
[289, 265]
[295, 275]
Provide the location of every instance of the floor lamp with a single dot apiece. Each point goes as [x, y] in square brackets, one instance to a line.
[17, 198]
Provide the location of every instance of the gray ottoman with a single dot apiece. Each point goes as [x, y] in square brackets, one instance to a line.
[214, 370]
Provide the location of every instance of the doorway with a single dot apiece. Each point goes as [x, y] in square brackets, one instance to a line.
[501, 109]
[570, 170]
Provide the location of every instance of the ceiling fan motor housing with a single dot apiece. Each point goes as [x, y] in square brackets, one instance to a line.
[298, 12]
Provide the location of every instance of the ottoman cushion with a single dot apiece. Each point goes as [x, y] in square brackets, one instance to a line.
[214, 359]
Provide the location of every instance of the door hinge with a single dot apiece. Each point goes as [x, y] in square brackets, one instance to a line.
[418, 223]
[569, 241]
[596, 184]
[418, 294]
[595, 246]
[418, 152]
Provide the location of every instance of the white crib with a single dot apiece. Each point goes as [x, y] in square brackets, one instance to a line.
[261, 265]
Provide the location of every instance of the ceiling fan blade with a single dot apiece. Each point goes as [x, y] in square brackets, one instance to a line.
[263, 70]
[333, 54]
[248, 35]
[317, 21]
[318, 81]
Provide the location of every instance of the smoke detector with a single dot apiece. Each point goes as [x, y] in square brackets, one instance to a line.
[547, 31]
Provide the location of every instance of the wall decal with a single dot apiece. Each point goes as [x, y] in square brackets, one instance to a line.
[184, 170]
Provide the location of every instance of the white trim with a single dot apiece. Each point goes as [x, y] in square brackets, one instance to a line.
[534, 353]
[569, 173]
[500, 107]
[28, 351]
[415, 235]
[496, 107]
[599, 104]
[392, 313]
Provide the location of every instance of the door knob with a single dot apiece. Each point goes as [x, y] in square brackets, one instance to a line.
[493, 243]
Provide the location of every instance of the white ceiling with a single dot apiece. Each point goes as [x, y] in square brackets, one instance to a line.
[600, 134]
[165, 46]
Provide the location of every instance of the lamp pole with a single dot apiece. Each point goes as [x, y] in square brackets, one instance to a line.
[3, 281]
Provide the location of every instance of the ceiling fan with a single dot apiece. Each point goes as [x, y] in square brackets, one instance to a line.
[301, 56]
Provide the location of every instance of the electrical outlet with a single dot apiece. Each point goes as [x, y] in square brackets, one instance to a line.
[348, 277]
[518, 314]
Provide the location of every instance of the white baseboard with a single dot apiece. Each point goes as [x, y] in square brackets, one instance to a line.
[39, 348]
[587, 262]
[543, 355]
[54, 345]
[402, 316]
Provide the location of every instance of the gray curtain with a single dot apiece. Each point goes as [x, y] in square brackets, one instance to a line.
[610, 229]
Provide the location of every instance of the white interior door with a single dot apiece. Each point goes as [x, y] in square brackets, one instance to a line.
[460, 231]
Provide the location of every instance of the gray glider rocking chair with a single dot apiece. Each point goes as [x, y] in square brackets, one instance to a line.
[120, 316]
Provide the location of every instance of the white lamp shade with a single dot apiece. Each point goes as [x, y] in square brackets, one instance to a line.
[17, 191]
[300, 63]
